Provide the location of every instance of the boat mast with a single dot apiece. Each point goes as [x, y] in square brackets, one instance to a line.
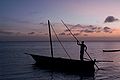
[50, 39]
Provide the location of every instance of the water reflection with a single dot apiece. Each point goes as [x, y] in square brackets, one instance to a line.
[60, 75]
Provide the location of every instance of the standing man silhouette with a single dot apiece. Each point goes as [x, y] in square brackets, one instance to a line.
[82, 49]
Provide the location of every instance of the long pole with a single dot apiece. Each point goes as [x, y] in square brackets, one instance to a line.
[50, 39]
[77, 40]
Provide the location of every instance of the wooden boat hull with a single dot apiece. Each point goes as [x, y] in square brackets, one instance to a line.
[68, 65]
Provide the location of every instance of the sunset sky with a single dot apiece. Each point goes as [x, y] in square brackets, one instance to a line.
[87, 19]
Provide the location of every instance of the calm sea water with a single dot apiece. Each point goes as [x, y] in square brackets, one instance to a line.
[15, 65]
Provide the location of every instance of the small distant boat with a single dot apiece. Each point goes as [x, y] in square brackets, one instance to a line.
[111, 50]
[62, 64]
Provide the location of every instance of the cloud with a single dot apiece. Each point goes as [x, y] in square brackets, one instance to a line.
[107, 29]
[76, 34]
[66, 30]
[85, 30]
[43, 24]
[85, 34]
[110, 19]
[88, 31]
[31, 33]
[62, 33]
[6, 32]
[77, 26]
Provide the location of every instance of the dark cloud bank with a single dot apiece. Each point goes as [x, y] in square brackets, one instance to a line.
[86, 29]
[110, 19]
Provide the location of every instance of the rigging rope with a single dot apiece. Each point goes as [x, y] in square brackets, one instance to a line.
[60, 42]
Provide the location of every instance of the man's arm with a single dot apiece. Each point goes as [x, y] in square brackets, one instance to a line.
[78, 43]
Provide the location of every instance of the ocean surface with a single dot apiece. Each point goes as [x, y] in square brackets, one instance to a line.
[15, 65]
